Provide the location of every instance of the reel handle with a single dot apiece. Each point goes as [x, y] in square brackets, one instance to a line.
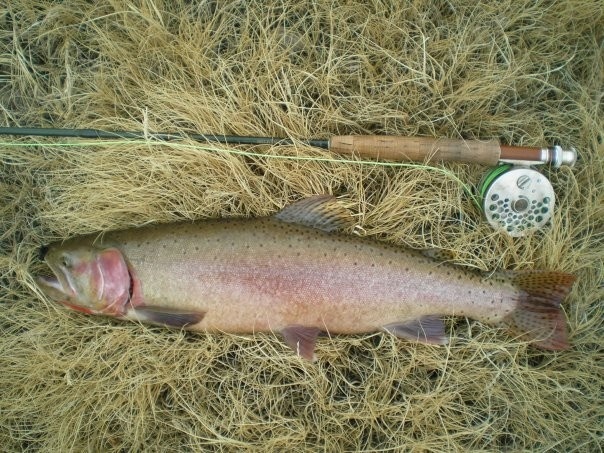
[420, 149]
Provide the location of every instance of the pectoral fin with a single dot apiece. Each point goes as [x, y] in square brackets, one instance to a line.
[165, 316]
[302, 340]
[428, 329]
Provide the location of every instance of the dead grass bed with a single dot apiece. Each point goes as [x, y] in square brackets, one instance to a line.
[526, 72]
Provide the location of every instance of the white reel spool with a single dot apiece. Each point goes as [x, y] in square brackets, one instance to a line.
[517, 200]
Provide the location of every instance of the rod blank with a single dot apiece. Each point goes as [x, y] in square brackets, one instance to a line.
[162, 136]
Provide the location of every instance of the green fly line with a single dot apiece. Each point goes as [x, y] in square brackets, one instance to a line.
[244, 153]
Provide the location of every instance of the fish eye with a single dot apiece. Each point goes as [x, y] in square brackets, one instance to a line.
[66, 261]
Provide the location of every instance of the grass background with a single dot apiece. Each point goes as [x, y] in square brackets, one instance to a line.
[525, 72]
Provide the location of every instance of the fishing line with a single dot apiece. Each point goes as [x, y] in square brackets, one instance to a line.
[467, 189]
[513, 197]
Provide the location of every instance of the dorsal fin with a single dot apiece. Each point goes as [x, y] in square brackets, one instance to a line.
[323, 212]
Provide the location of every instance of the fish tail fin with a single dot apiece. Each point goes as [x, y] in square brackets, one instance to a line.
[538, 316]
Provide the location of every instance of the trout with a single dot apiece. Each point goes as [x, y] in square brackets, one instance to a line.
[295, 274]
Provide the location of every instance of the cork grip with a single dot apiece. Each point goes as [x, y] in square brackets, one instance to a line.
[416, 149]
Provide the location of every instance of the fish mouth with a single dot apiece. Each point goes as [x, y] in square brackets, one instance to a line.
[54, 289]
[58, 286]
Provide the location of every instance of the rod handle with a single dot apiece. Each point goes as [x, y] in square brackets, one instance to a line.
[416, 149]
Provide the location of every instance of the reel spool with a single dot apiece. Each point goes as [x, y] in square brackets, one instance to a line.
[517, 200]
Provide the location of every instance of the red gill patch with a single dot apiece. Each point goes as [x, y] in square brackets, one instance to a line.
[115, 280]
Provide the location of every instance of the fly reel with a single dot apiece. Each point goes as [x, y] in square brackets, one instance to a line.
[517, 200]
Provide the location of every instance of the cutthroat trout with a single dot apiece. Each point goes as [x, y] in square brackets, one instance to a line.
[293, 273]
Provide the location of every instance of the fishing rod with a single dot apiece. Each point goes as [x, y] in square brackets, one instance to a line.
[386, 147]
[514, 197]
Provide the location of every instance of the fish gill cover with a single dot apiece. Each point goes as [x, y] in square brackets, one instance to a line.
[527, 73]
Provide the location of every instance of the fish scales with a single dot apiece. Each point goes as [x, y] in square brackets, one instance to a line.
[292, 273]
[265, 274]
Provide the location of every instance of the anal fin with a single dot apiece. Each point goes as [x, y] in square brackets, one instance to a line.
[165, 316]
[427, 329]
[302, 340]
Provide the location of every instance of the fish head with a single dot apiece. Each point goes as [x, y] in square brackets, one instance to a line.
[87, 278]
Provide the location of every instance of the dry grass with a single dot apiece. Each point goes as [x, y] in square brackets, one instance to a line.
[527, 72]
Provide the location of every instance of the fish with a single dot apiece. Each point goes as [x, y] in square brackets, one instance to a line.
[297, 273]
